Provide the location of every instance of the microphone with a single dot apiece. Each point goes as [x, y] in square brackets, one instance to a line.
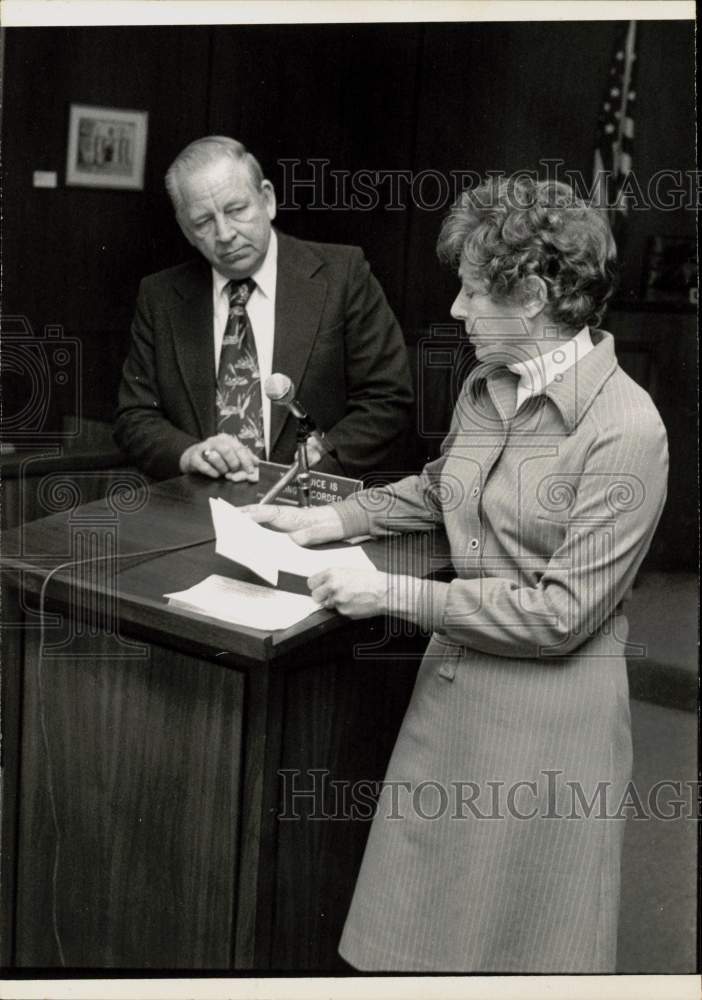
[280, 389]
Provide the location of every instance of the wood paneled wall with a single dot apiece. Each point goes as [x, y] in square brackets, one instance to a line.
[440, 98]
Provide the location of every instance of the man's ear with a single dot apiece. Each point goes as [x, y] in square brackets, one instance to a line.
[268, 193]
[535, 295]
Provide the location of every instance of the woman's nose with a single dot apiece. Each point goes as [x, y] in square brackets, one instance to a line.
[457, 310]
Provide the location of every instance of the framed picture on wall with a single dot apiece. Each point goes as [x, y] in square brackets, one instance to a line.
[106, 147]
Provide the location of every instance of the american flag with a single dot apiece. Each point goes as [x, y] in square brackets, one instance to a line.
[615, 130]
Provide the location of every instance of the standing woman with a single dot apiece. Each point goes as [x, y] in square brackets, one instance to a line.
[497, 838]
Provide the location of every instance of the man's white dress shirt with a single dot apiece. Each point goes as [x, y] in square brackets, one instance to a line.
[261, 310]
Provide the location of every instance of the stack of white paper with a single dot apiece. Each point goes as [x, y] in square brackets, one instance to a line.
[244, 603]
[269, 552]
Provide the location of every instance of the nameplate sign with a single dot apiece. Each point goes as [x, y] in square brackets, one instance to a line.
[324, 487]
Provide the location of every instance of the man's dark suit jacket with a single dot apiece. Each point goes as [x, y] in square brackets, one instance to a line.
[335, 336]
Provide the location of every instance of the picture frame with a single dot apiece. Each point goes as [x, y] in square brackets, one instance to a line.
[106, 147]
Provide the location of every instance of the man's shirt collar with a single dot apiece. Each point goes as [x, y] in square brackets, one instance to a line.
[264, 278]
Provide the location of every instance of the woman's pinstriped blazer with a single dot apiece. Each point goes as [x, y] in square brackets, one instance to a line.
[497, 839]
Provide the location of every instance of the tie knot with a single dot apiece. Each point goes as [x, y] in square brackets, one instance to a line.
[239, 291]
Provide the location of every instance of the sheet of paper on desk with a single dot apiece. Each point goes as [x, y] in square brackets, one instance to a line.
[269, 552]
[244, 603]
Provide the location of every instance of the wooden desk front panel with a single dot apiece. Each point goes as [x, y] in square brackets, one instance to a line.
[154, 794]
[129, 817]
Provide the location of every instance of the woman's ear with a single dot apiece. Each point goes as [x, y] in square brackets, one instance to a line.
[535, 295]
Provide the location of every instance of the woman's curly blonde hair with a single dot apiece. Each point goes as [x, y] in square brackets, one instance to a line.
[509, 229]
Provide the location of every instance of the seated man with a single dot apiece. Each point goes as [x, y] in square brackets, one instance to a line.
[207, 333]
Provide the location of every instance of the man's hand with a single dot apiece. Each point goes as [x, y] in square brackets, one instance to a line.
[221, 455]
[305, 525]
[357, 593]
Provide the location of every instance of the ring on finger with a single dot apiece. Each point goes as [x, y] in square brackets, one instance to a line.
[208, 453]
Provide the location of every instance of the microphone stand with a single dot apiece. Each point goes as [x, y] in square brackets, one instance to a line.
[303, 475]
[299, 470]
[281, 484]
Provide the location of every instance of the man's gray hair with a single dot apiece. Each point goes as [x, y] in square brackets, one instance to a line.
[201, 153]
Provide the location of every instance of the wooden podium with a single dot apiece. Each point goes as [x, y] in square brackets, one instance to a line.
[180, 793]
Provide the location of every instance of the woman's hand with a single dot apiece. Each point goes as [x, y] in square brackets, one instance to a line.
[305, 525]
[357, 593]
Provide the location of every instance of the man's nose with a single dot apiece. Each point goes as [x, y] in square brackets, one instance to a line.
[225, 229]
